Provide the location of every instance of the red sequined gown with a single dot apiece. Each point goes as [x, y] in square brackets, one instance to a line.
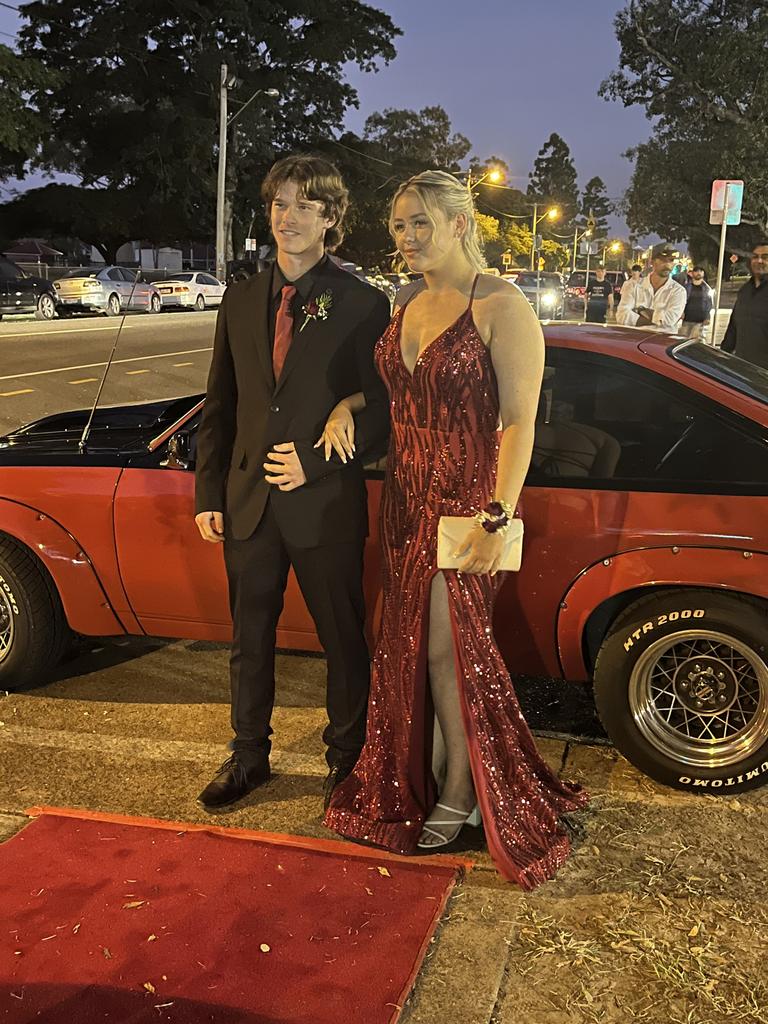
[442, 461]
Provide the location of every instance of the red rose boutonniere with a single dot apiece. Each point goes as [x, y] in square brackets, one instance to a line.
[317, 309]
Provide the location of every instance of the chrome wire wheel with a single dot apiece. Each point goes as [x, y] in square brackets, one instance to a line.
[7, 627]
[701, 698]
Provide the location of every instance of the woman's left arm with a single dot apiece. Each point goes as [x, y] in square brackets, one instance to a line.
[512, 332]
[516, 345]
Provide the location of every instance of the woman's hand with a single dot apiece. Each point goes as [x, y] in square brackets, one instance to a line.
[339, 433]
[483, 551]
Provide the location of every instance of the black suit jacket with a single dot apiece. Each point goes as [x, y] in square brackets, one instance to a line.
[246, 412]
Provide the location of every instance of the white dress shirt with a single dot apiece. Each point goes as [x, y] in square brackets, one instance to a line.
[668, 303]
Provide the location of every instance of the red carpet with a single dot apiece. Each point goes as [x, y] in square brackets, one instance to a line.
[125, 920]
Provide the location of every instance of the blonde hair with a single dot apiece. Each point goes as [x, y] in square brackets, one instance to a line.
[439, 190]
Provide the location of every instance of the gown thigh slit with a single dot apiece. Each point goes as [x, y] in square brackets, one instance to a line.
[442, 461]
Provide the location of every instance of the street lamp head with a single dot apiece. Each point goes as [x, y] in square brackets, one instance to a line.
[553, 214]
[616, 247]
[494, 175]
[274, 93]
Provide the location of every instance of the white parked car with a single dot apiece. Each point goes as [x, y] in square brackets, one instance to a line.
[191, 290]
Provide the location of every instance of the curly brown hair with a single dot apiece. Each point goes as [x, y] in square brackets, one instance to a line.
[318, 180]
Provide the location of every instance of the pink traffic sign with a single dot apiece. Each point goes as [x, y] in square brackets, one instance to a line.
[727, 197]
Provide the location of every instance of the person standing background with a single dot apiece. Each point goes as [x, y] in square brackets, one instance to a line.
[657, 301]
[698, 308]
[747, 332]
[599, 298]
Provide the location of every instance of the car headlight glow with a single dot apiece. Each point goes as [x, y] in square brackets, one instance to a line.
[548, 299]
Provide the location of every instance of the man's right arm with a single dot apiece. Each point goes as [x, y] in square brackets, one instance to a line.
[216, 433]
[625, 314]
[728, 343]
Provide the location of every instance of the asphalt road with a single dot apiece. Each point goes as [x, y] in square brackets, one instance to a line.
[56, 366]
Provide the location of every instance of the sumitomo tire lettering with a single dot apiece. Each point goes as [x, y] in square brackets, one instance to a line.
[686, 780]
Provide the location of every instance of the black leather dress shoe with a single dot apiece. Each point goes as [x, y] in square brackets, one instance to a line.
[233, 781]
[335, 776]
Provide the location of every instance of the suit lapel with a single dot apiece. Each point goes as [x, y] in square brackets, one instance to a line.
[313, 332]
[259, 325]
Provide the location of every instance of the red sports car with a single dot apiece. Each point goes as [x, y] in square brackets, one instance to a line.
[645, 567]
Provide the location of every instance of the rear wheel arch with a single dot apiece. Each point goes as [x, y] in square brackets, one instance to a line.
[610, 612]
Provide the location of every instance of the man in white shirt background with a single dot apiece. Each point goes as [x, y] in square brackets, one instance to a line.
[655, 301]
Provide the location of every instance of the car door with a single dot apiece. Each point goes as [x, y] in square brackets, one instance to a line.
[134, 290]
[114, 281]
[621, 459]
[21, 290]
[175, 581]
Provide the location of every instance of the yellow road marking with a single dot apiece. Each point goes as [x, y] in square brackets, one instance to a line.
[131, 373]
[116, 362]
[10, 394]
[183, 364]
[85, 380]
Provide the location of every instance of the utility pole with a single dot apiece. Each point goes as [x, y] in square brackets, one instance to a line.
[221, 256]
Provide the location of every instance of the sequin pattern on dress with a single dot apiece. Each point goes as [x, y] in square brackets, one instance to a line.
[442, 461]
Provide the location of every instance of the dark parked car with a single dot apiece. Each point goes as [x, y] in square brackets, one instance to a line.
[21, 292]
[550, 291]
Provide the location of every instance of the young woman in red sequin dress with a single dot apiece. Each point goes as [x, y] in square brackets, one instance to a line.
[463, 360]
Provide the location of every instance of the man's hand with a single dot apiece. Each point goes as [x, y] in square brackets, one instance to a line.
[645, 316]
[211, 526]
[284, 469]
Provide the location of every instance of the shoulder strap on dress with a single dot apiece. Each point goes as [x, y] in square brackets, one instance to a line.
[472, 293]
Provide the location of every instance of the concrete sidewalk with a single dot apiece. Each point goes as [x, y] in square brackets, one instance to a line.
[659, 915]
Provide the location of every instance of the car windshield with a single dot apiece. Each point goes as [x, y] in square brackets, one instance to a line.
[83, 272]
[528, 280]
[747, 378]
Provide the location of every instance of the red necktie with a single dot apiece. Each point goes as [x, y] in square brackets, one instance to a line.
[283, 330]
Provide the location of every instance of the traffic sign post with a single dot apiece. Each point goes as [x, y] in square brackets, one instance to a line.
[724, 209]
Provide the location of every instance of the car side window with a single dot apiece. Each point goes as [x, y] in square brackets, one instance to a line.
[114, 274]
[607, 424]
[207, 279]
[128, 275]
[9, 271]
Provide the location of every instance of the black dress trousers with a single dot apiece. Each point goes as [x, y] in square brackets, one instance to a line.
[330, 579]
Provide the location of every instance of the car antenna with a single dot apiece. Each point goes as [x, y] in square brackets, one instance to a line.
[83, 443]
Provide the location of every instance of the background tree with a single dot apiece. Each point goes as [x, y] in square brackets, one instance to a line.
[553, 180]
[395, 145]
[22, 128]
[137, 103]
[594, 198]
[105, 218]
[698, 69]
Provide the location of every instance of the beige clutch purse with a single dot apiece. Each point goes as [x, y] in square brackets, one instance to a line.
[452, 532]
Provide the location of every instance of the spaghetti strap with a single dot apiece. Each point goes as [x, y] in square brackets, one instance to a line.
[472, 293]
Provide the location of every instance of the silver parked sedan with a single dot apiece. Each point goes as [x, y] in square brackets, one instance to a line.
[192, 289]
[111, 290]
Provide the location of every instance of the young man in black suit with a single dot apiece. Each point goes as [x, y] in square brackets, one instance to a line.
[290, 343]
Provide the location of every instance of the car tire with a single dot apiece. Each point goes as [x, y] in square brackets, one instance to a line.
[155, 304]
[681, 687]
[33, 629]
[46, 307]
[113, 305]
[200, 303]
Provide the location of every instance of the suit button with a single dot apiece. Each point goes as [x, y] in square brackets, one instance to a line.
[274, 408]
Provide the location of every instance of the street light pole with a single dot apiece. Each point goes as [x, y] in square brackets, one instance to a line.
[533, 239]
[221, 267]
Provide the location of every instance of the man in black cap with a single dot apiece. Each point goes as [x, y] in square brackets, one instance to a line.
[657, 301]
[747, 333]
